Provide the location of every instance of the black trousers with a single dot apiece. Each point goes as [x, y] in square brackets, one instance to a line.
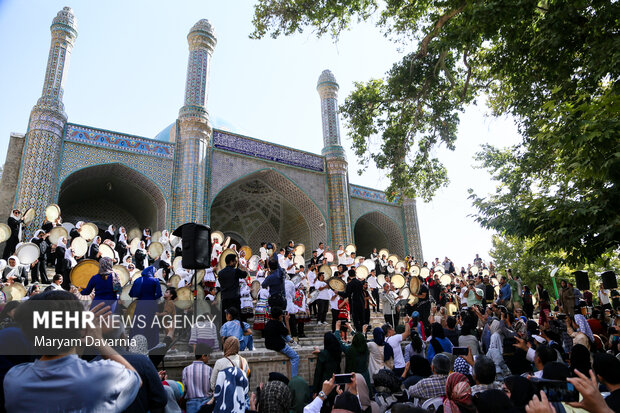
[335, 314]
[292, 323]
[357, 316]
[323, 305]
[391, 319]
[375, 296]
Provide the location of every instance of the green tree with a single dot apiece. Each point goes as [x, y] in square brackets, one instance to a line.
[553, 65]
[518, 255]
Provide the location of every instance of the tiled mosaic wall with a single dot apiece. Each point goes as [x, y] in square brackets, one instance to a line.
[413, 229]
[228, 167]
[77, 156]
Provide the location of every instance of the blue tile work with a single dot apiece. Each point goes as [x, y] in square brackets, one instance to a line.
[360, 207]
[227, 167]
[78, 156]
[266, 150]
[118, 141]
[370, 194]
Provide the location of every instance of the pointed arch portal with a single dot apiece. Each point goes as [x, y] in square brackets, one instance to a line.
[267, 206]
[377, 230]
[112, 194]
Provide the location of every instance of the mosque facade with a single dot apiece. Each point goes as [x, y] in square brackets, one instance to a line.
[251, 190]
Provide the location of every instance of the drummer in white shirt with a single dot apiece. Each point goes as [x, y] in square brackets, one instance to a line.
[263, 251]
[320, 251]
[289, 265]
[350, 260]
[342, 255]
[373, 285]
[282, 259]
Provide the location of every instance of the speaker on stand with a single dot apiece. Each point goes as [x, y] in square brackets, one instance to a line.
[581, 280]
[609, 280]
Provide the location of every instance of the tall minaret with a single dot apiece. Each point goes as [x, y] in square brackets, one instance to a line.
[41, 156]
[336, 161]
[195, 132]
[412, 229]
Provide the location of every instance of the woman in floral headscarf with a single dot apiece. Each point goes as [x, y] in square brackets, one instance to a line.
[458, 395]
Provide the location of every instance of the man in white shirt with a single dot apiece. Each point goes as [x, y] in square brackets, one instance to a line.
[342, 255]
[290, 264]
[333, 305]
[282, 259]
[603, 297]
[323, 298]
[320, 251]
[292, 309]
[263, 252]
[374, 287]
[394, 340]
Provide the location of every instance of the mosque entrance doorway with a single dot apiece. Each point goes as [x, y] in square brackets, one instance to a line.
[266, 206]
[377, 230]
[112, 194]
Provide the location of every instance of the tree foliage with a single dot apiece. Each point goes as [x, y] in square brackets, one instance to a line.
[533, 268]
[554, 65]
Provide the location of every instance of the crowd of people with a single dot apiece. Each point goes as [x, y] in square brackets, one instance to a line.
[468, 340]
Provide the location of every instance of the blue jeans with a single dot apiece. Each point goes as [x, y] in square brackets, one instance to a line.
[246, 342]
[290, 353]
[193, 405]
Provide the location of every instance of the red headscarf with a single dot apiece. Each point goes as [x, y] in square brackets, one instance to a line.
[458, 394]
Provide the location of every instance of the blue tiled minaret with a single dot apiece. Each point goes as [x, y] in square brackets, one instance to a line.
[336, 162]
[195, 133]
[41, 155]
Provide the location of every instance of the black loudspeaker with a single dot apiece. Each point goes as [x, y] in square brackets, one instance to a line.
[609, 280]
[196, 240]
[582, 280]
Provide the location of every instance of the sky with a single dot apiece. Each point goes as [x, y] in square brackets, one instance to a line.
[127, 74]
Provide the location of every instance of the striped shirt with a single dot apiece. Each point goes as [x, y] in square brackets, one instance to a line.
[196, 378]
[203, 331]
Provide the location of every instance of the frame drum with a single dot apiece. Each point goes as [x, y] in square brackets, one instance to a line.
[17, 291]
[83, 272]
[381, 280]
[155, 250]
[451, 308]
[399, 267]
[27, 253]
[89, 231]
[133, 245]
[383, 252]
[299, 250]
[174, 280]
[327, 254]
[414, 270]
[299, 261]
[445, 279]
[52, 212]
[404, 293]
[361, 272]
[79, 246]
[29, 216]
[247, 250]
[217, 235]
[5, 232]
[134, 233]
[253, 263]
[439, 269]
[485, 272]
[398, 281]
[494, 282]
[254, 289]
[474, 269]
[326, 269]
[106, 251]
[174, 240]
[125, 299]
[176, 264]
[56, 233]
[122, 272]
[226, 242]
[350, 249]
[199, 275]
[414, 285]
[370, 264]
[184, 298]
[337, 284]
[424, 272]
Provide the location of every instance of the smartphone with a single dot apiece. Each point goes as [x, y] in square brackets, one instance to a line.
[343, 378]
[460, 351]
[561, 317]
[557, 390]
